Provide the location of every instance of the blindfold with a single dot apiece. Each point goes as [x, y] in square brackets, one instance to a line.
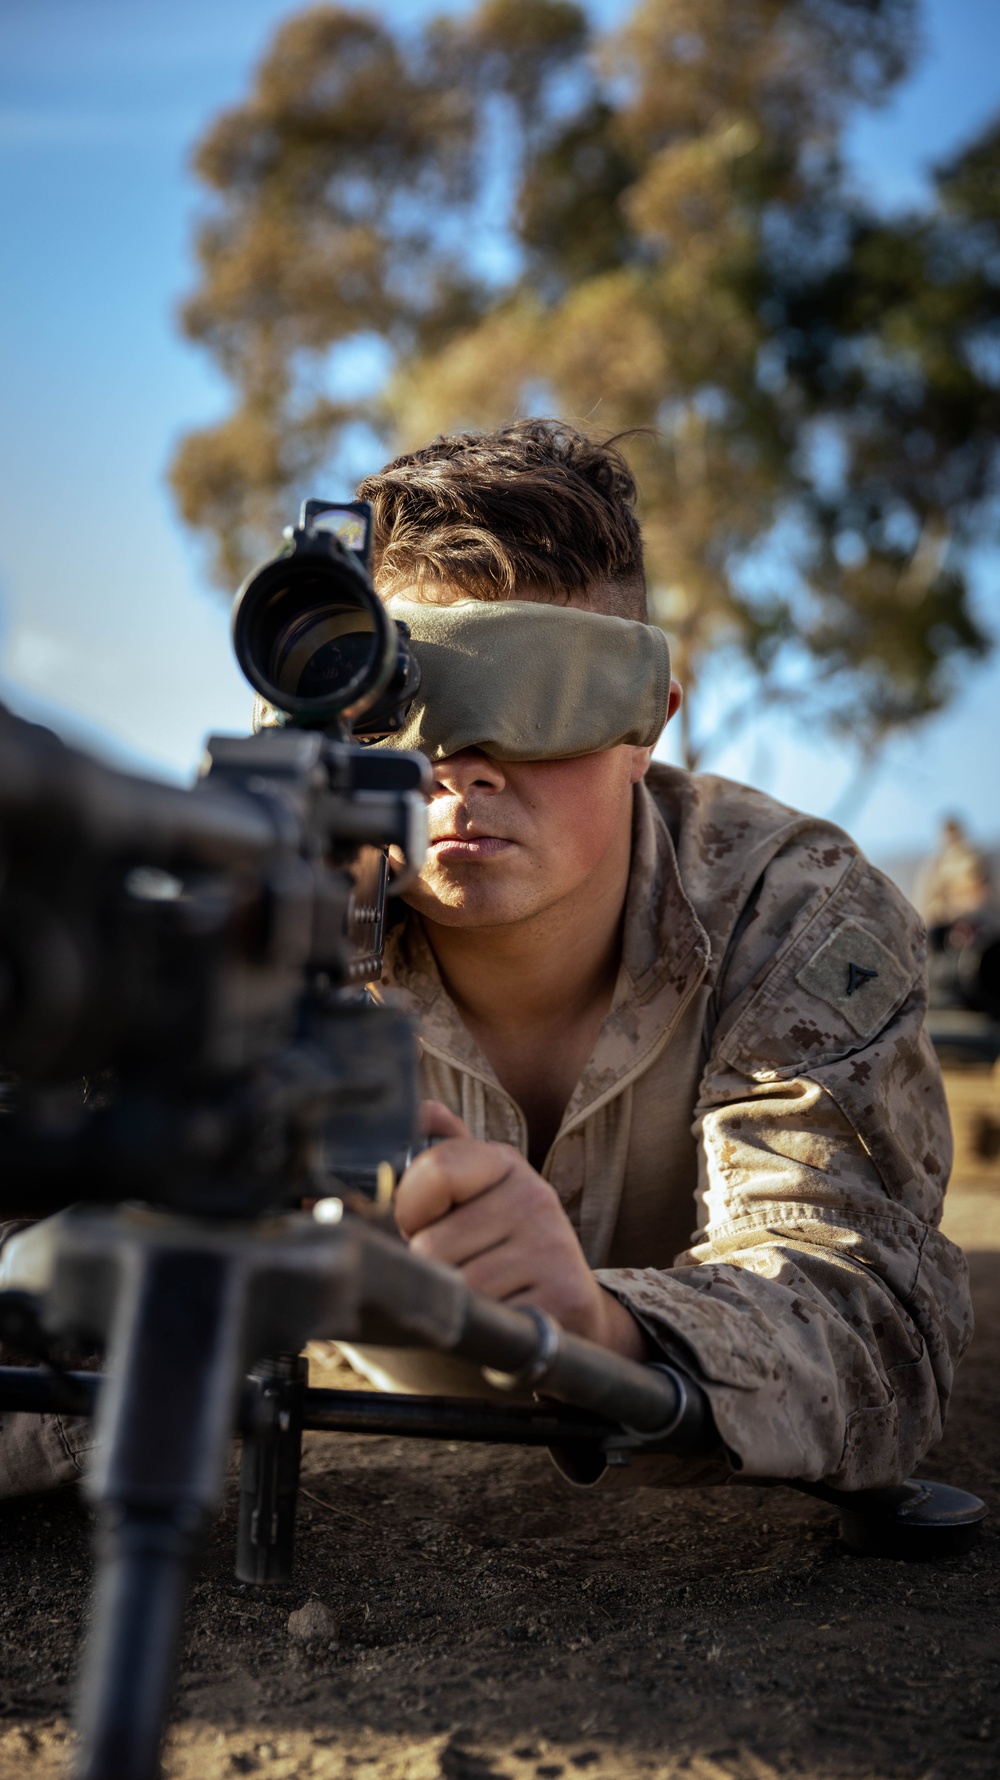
[525, 681]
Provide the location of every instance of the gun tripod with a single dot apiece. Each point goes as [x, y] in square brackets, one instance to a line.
[193, 1314]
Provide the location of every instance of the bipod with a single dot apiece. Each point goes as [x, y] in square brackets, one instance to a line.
[184, 1309]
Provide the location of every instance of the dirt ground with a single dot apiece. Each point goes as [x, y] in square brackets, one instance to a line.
[486, 1621]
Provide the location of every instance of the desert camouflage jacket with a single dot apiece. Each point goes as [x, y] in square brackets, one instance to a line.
[756, 1153]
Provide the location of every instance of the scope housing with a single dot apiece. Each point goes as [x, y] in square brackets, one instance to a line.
[309, 631]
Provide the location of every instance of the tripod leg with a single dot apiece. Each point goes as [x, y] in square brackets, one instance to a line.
[164, 1424]
[144, 1564]
[269, 1475]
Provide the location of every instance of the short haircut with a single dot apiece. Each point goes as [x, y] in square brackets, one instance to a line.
[536, 510]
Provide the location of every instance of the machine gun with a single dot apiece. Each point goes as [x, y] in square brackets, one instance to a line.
[194, 1068]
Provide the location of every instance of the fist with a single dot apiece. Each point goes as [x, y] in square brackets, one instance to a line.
[482, 1208]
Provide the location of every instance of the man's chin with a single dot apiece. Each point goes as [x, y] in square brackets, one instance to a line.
[456, 904]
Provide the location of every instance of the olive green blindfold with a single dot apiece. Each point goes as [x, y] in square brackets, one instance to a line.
[525, 681]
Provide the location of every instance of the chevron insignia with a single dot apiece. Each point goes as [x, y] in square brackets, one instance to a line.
[857, 977]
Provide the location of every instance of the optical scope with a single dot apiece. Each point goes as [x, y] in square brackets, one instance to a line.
[312, 636]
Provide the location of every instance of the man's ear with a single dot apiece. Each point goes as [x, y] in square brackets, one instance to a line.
[641, 758]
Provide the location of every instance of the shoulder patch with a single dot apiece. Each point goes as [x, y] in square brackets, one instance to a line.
[856, 974]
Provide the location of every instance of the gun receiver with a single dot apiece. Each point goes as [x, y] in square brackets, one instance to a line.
[198, 958]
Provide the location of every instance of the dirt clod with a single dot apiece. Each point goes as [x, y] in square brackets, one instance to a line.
[312, 1622]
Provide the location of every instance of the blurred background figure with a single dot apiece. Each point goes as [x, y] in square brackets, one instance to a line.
[955, 892]
[956, 880]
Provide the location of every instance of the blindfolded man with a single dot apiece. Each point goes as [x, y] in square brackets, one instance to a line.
[672, 1031]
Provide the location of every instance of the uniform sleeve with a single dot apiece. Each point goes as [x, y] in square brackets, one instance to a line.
[819, 1303]
[37, 1452]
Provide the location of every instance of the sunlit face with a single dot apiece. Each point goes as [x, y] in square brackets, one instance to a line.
[510, 839]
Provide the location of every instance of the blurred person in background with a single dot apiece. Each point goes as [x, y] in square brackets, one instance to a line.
[957, 896]
[955, 881]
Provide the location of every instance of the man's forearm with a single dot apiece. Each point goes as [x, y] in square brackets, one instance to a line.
[621, 1333]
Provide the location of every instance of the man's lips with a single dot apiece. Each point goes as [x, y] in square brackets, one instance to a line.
[473, 846]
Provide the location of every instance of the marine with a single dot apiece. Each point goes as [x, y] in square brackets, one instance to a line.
[672, 1042]
[672, 1031]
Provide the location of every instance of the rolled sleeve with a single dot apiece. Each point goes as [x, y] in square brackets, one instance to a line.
[819, 1303]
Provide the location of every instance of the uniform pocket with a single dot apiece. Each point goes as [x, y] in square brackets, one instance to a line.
[871, 1449]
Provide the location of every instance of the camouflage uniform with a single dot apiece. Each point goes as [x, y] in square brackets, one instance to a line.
[41, 1452]
[37, 1452]
[764, 1070]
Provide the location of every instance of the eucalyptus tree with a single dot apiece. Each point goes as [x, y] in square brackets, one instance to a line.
[649, 230]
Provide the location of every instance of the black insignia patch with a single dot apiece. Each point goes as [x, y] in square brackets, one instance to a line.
[857, 976]
[853, 958]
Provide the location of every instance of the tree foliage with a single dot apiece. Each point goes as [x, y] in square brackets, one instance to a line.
[649, 229]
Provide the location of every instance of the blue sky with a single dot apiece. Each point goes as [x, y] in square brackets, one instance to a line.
[107, 625]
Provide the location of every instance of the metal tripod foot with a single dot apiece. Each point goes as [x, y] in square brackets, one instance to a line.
[914, 1520]
[917, 1520]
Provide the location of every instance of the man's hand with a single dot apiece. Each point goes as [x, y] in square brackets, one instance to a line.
[482, 1208]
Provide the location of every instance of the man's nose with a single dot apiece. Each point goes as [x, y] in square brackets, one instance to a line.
[460, 772]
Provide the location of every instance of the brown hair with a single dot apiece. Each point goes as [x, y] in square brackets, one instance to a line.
[535, 510]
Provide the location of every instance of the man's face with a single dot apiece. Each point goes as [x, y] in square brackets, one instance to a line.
[511, 839]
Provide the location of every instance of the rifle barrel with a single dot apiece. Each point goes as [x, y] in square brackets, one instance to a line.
[45, 785]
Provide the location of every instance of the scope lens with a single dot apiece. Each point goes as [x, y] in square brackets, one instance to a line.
[312, 639]
[322, 651]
